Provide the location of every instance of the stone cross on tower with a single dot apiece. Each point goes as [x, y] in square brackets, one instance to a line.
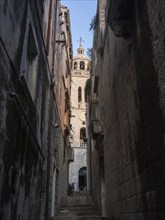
[80, 40]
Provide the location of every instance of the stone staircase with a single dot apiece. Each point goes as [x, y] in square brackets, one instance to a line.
[79, 206]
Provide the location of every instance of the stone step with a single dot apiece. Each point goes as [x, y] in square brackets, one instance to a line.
[85, 205]
[78, 212]
[80, 199]
[79, 218]
[81, 193]
[79, 208]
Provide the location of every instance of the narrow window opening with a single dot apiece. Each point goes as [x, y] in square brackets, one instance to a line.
[31, 73]
[82, 65]
[75, 65]
[82, 136]
[79, 94]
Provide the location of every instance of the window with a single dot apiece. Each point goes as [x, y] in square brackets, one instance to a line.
[83, 139]
[85, 97]
[96, 80]
[75, 65]
[66, 14]
[31, 63]
[79, 94]
[88, 67]
[82, 65]
[82, 133]
[29, 60]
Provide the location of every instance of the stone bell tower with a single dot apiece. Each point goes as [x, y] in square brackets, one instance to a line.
[78, 140]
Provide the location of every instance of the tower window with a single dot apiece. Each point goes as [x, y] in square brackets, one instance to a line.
[79, 94]
[83, 139]
[82, 65]
[82, 133]
[88, 67]
[75, 65]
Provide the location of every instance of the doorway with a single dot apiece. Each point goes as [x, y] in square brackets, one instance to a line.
[82, 179]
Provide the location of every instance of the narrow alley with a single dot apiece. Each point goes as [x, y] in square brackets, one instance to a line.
[82, 125]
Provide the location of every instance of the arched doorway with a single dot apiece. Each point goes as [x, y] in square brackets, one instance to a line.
[82, 179]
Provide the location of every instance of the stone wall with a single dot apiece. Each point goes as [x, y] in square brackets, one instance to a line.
[130, 92]
[63, 178]
[79, 162]
[62, 92]
[29, 138]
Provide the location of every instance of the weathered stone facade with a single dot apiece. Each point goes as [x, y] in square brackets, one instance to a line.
[127, 127]
[32, 136]
[63, 91]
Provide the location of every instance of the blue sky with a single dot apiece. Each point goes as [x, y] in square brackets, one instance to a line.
[81, 13]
